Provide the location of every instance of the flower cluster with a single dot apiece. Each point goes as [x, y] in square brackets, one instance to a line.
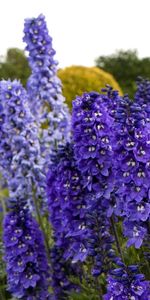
[126, 284]
[62, 270]
[132, 156]
[67, 212]
[21, 163]
[93, 152]
[91, 125]
[27, 267]
[142, 95]
[44, 87]
[110, 99]
[68, 193]
[25, 255]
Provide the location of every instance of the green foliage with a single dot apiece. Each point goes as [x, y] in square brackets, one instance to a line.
[89, 287]
[125, 66]
[79, 79]
[83, 296]
[15, 65]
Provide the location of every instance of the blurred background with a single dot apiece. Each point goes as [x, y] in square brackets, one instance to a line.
[111, 36]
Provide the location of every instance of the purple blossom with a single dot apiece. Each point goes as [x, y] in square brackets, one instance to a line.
[44, 87]
[61, 272]
[27, 273]
[67, 194]
[126, 284]
[135, 231]
[27, 267]
[91, 126]
[67, 216]
[92, 135]
[131, 157]
[98, 240]
[21, 163]
[138, 211]
[142, 96]
[110, 98]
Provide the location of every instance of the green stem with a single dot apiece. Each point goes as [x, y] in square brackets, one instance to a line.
[147, 263]
[3, 205]
[98, 285]
[41, 224]
[2, 296]
[117, 239]
[99, 289]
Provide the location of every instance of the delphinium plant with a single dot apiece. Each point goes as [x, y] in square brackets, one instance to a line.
[66, 205]
[24, 172]
[93, 153]
[44, 87]
[131, 154]
[25, 254]
[89, 181]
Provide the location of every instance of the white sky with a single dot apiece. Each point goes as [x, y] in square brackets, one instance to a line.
[81, 29]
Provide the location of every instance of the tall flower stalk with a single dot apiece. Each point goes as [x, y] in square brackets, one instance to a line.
[67, 211]
[131, 155]
[25, 255]
[91, 125]
[44, 87]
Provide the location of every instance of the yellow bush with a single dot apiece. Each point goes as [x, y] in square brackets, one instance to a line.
[78, 79]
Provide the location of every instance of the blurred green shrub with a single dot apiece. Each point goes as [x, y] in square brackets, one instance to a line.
[125, 66]
[79, 79]
[14, 66]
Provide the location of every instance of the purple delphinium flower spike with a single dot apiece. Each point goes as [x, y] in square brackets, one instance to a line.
[67, 215]
[110, 98]
[20, 162]
[125, 283]
[62, 271]
[142, 94]
[66, 198]
[25, 256]
[44, 87]
[23, 174]
[91, 125]
[132, 157]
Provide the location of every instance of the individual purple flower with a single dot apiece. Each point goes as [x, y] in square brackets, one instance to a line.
[126, 284]
[44, 87]
[133, 192]
[135, 231]
[138, 211]
[25, 257]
